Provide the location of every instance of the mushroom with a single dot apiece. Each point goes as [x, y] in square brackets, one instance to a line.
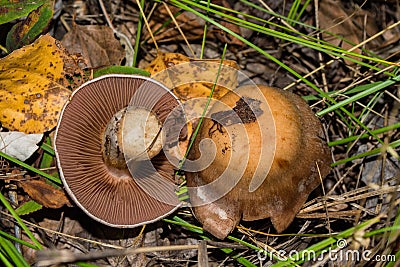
[109, 143]
[269, 154]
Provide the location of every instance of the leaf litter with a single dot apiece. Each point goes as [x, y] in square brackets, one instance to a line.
[35, 83]
[96, 43]
[19, 145]
[343, 203]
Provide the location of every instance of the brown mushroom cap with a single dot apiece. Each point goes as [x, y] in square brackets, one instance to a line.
[300, 148]
[107, 193]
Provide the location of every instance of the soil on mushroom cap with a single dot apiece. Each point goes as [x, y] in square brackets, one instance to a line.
[246, 110]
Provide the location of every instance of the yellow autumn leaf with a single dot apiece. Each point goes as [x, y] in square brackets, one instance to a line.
[33, 85]
[176, 70]
[192, 80]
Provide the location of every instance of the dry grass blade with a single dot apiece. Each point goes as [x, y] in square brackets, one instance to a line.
[179, 29]
[59, 234]
[202, 256]
[345, 198]
[147, 24]
[51, 257]
[361, 44]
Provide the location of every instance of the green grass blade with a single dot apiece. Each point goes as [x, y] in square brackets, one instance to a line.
[196, 131]
[85, 264]
[363, 136]
[138, 35]
[326, 244]
[394, 227]
[300, 13]
[48, 149]
[47, 158]
[203, 42]
[13, 254]
[20, 222]
[360, 95]
[198, 230]
[293, 11]
[372, 152]
[261, 51]
[393, 263]
[178, 221]
[5, 261]
[394, 231]
[314, 44]
[13, 238]
[30, 168]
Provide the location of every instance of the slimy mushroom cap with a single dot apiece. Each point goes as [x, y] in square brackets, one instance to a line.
[294, 167]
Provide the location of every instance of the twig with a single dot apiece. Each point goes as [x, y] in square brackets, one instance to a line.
[355, 195]
[324, 199]
[51, 257]
[66, 236]
[202, 254]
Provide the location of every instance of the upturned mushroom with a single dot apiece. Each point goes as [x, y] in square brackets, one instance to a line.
[269, 153]
[109, 144]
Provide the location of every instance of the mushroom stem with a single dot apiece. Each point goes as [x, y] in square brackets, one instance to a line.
[132, 133]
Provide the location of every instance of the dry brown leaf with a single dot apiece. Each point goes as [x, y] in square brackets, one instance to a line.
[224, 36]
[34, 82]
[334, 19]
[45, 194]
[97, 44]
[228, 38]
[42, 192]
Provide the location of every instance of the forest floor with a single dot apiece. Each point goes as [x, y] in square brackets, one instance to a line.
[358, 202]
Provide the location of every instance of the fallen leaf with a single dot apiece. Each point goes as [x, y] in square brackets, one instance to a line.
[34, 82]
[224, 36]
[19, 145]
[335, 21]
[45, 194]
[24, 32]
[194, 80]
[11, 10]
[96, 43]
[28, 207]
[164, 61]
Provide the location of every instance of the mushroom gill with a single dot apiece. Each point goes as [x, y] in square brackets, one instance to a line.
[90, 151]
